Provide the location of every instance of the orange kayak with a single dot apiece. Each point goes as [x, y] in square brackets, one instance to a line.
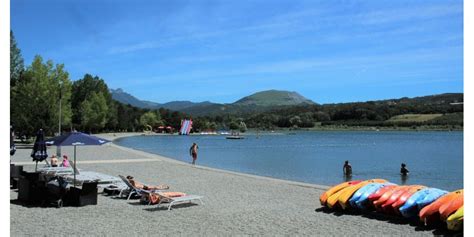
[347, 193]
[451, 207]
[324, 197]
[405, 196]
[430, 212]
[375, 196]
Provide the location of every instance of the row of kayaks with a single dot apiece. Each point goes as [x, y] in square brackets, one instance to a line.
[429, 205]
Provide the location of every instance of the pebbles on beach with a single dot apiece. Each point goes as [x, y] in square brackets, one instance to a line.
[234, 204]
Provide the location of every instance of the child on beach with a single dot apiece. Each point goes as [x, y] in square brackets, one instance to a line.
[65, 162]
[193, 152]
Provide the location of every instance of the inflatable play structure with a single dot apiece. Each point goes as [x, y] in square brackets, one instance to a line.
[186, 126]
[428, 206]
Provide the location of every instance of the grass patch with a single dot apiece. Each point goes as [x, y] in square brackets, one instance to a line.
[407, 118]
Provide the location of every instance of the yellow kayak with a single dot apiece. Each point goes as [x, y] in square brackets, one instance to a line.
[324, 197]
[455, 220]
[347, 193]
[332, 200]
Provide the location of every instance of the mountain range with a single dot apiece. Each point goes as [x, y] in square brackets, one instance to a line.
[274, 99]
[259, 101]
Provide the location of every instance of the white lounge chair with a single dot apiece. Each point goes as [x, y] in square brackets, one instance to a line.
[177, 200]
[132, 189]
[49, 170]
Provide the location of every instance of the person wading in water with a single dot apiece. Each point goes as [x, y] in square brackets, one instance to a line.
[347, 169]
[193, 151]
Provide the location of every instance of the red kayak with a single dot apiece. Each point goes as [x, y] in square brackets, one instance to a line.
[375, 196]
[387, 205]
[401, 201]
[379, 202]
[404, 197]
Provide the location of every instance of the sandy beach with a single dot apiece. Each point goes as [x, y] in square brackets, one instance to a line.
[234, 204]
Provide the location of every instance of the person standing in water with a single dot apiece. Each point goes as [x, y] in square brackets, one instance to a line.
[193, 152]
[347, 168]
[403, 170]
[404, 173]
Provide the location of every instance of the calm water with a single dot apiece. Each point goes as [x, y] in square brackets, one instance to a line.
[434, 158]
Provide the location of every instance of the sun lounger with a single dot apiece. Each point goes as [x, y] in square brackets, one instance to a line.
[49, 170]
[132, 189]
[177, 200]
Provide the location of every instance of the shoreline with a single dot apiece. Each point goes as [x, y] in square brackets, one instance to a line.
[168, 159]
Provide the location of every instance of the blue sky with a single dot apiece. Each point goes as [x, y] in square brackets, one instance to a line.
[328, 51]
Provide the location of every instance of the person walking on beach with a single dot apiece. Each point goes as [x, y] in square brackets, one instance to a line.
[403, 170]
[193, 152]
[347, 168]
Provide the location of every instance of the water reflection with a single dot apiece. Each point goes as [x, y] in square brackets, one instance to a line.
[347, 178]
[404, 179]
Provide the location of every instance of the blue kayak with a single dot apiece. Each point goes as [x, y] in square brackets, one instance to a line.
[410, 208]
[420, 199]
[355, 197]
[431, 197]
[361, 203]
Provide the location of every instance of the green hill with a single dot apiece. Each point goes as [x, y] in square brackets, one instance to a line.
[273, 98]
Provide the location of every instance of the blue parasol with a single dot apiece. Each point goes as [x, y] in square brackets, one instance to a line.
[12, 141]
[76, 139]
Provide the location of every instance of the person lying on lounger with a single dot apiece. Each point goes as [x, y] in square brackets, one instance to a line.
[139, 185]
[153, 198]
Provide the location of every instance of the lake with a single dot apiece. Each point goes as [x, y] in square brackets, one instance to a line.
[434, 159]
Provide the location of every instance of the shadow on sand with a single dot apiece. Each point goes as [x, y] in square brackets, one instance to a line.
[439, 229]
[135, 201]
[165, 207]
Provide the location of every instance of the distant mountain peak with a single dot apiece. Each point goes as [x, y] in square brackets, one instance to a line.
[274, 98]
[118, 90]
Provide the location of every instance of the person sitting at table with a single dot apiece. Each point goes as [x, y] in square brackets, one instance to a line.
[65, 162]
[54, 161]
[139, 185]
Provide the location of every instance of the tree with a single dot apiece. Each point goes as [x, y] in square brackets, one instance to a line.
[35, 98]
[17, 66]
[212, 126]
[295, 121]
[94, 112]
[83, 89]
[150, 118]
[242, 127]
[233, 125]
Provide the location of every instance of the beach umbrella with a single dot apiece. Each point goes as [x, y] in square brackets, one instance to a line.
[76, 139]
[39, 152]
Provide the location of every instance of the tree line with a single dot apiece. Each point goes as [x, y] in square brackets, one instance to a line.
[43, 91]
